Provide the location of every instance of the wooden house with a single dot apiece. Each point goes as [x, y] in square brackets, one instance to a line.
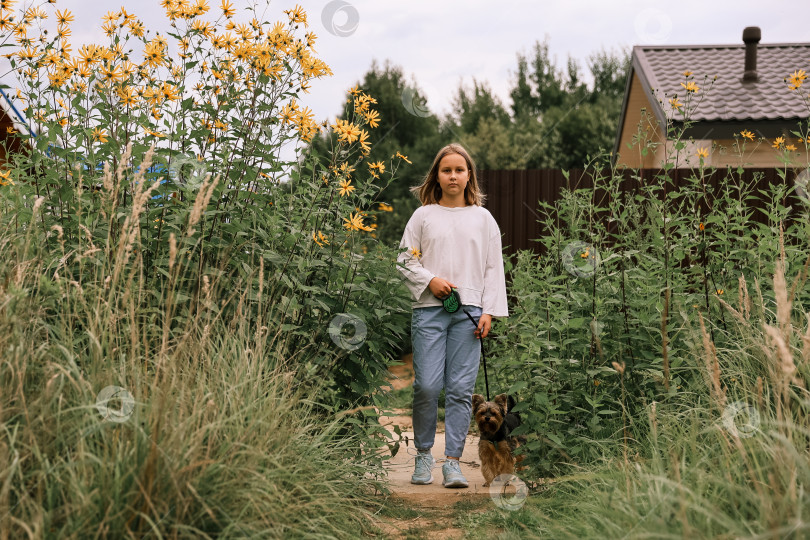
[736, 90]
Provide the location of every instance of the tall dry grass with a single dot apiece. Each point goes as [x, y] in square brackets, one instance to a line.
[221, 439]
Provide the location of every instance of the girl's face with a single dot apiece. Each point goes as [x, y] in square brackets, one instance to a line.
[453, 175]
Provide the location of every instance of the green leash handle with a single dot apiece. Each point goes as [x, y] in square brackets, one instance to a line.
[452, 302]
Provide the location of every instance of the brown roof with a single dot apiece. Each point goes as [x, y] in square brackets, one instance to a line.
[726, 104]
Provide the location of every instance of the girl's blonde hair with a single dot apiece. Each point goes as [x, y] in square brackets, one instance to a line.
[429, 191]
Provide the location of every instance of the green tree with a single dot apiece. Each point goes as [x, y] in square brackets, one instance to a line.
[558, 119]
[609, 71]
[473, 106]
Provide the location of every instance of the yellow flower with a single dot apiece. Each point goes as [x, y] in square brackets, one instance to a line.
[365, 146]
[415, 252]
[797, 79]
[346, 131]
[687, 73]
[5, 178]
[701, 227]
[109, 28]
[153, 53]
[747, 134]
[169, 92]
[227, 9]
[690, 86]
[372, 118]
[136, 28]
[345, 187]
[675, 103]
[404, 158]
[111, 73]
[596, 381]
[297, 15]
[355, 223]
[319, 238]
[379, 166]
[10, 130]
[790, 147]
[719, 291]
[111, 16]
[386, 208]
[35, 13]
[200, 8]
[703, 152]
[227, 41]
[126, 17]
[6, 22]
[778, 142]
[311, 37]
[99, 135]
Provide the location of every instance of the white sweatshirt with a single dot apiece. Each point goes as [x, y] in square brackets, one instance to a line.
[461, 245]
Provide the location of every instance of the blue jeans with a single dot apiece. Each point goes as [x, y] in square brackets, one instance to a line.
[445, 355]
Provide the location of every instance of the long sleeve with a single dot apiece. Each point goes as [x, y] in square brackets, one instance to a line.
[417, 277]
[494, 296]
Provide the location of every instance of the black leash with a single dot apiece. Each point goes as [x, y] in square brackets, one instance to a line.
[484, 356]
[451, 304]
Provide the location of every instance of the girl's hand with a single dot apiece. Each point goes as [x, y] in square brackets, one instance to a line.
[440, 287]
[484, 324]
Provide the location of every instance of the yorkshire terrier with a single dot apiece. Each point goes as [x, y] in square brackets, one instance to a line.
[495, 423]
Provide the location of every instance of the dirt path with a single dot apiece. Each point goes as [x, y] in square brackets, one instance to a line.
[428, 510]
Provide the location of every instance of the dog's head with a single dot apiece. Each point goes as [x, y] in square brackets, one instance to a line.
[489, 415]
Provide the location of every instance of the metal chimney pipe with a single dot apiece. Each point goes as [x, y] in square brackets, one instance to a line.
[751, 37]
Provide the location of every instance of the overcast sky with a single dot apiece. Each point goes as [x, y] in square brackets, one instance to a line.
[444, 43]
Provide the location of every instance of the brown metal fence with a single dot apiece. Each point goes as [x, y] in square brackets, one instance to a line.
[513, 195]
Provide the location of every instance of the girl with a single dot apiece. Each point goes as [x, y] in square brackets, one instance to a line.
[451, 241]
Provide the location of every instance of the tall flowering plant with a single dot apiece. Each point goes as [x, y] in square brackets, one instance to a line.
[214, 96]
[156, 158]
